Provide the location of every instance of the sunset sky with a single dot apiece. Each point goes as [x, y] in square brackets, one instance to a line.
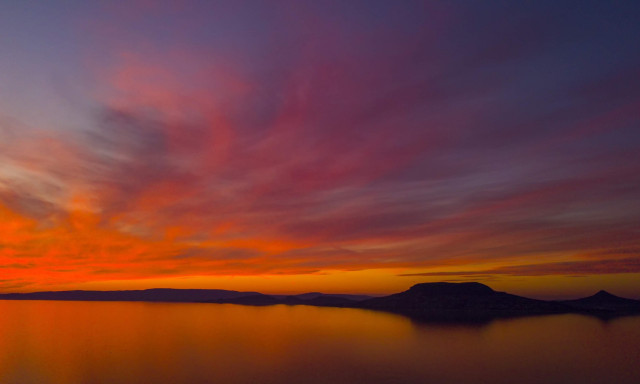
[336, 146]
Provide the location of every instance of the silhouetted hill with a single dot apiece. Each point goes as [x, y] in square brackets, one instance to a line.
[460, 302]
[153, 295]
[605, 303]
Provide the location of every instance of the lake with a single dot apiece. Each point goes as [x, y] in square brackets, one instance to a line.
[118, 342]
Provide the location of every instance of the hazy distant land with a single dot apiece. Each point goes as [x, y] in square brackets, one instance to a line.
[456, 302]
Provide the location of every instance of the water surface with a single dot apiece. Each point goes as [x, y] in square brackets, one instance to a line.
[56, 342]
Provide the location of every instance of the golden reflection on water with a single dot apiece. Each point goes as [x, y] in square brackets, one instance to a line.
[114, 342]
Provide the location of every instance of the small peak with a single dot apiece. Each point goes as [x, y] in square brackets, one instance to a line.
[603, 293]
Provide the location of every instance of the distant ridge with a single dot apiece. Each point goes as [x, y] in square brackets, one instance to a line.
[190, 296]
[152, 295]
[441, 302]
[314, 299]
[604, 303]
[315, 295]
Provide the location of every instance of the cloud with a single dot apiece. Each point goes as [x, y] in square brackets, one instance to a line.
[338, 138]
[567, 268]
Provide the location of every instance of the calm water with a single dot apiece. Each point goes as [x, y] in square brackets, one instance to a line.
[91, 342]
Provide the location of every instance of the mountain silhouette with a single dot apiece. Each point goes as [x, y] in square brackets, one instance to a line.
[152, 295]
[604, 303]
[460, 301]
[440, 302]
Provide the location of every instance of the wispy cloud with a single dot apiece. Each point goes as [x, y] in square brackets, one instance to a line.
[331, 137]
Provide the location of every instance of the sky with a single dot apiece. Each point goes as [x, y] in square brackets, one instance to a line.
[336, 146]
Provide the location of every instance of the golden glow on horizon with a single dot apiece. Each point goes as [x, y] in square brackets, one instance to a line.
[77, 253]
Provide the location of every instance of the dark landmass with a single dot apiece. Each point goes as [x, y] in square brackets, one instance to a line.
[603, 304]
[460, 302]
[152, 295]
[314, 299]
[315, 295]
[191, 296]
[257, 299]
[437, 302]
